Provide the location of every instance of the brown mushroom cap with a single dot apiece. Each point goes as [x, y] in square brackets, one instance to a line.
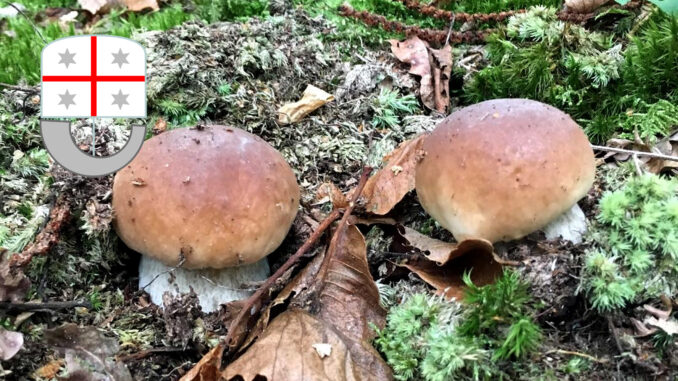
[504, 168]
[218, 196]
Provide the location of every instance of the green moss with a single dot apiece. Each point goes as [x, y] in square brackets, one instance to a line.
[587, 74]
[428, 338]
[390, 106]
[635, 254]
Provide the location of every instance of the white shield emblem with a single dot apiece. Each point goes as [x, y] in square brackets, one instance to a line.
[93, 76]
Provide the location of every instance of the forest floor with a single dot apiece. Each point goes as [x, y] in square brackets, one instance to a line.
[202, 70]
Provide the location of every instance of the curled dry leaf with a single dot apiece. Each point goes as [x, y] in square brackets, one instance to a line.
[89, 354]
[312, 99]
[10, 343]
[103, 6]
[584, 6]
[344, 301]
[432, 65]
[329, 192]
[391, 183]
[445, 264]
[439, 251]
[667, 146]
[14, 283]
[208, 368]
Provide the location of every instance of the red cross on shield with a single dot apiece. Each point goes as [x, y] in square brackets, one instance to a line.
[93, 76]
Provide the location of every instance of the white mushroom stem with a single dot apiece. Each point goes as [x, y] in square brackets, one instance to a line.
[570, 226]
[213, 287]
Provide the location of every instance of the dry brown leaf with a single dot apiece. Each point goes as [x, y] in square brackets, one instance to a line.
[89, 354]
[329, 192]
[447, 279]
[439, 251]
[10, 343]
[160, 126]
[49, 370]
[667, 146]
[14, 283]
[312, 99]
[434, 66]
[584, 6]
[208, 368]
[391, 183]
[441, 68]
[103, 6]
[344, 302]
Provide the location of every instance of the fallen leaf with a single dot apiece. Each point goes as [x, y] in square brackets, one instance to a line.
[670, 326]
[10, 343]
[439, 251]
[434, 66]
[328, 192]
[344, 301]
[160, 126]
[89, 354]
[667, 146]
[447, 279]
[584, 6]
[14, 283]
[387, 187]
[208, 368]
[49, 370]
[312, 99]
[103, 6]
[441, 68]
[11, 10]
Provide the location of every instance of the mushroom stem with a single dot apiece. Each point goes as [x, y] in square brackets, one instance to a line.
[213, 286]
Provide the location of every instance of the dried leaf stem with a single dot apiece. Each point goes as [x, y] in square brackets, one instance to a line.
[430, 35]
[637, 153]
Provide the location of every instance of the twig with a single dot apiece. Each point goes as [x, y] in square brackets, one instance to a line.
[34, 89]
[250, 305]
[632, 152]
[143, 354]
[584, 355]
[38, 306]
[636, 164]
[35, 28]
[432, 11]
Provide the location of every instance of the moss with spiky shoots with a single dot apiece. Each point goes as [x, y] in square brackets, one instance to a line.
[635, 245]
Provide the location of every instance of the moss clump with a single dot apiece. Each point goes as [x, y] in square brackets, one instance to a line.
[432, 339]
[635, 245]
[586, 73]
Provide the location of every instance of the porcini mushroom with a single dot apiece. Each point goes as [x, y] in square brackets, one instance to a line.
[501, 169]
[204, 207]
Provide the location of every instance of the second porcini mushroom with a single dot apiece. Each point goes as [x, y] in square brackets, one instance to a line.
[204, 207]
[501, 169]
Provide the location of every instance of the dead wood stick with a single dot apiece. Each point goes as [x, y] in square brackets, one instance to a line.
[145, 353]
[39, 306]
[250, 305]
[638, 153]
[20, 88]
[573, 353]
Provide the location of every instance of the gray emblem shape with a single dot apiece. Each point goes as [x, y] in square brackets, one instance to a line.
[60, 145]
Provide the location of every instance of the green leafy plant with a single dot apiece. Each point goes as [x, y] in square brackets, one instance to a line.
[635, 253]
[390, 106]
[429, 338]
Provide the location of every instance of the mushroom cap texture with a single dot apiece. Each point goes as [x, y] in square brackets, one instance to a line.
[218, 196]
[504, 168]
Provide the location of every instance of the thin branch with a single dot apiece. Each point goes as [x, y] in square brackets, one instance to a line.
[638, 153]
[250, 307]
[148, 352]
[33, 89]
[43, 306]
[35, 27]
[584, 355]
